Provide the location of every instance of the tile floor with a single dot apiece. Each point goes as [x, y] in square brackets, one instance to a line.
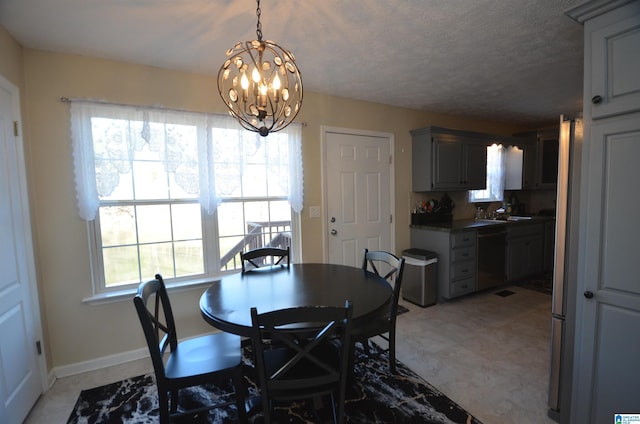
[488, 353]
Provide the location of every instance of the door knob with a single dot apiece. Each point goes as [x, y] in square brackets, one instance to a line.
[596, 99]
[588, 294]
[334, 232]
[333, 219]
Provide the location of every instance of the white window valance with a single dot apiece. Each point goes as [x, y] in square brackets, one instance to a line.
[207, 170]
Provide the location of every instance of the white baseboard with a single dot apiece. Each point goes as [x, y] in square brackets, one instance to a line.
[98, 363]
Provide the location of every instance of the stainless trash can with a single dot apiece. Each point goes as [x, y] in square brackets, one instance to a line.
[419, 282]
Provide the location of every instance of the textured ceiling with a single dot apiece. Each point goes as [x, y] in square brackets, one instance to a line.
[518, 61]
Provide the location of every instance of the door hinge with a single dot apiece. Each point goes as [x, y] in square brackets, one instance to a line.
[16, 127]
[39, 347]
[390, 160]
[391, 219]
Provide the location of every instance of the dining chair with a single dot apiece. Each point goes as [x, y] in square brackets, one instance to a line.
[296, 357]
[214, 358]
[389, 267]
[264, 256]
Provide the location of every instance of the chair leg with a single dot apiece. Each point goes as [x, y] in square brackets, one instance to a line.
[241, 393]
[266, 408]
[392, 351]
[365, 345]
[163, 406]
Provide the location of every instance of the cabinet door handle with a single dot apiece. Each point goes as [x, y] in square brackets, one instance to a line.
[596, 100]
[588, 294]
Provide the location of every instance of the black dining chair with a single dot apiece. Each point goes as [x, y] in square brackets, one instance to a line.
[296, 358]
[214, 358]
[389, 267]
[264, 256]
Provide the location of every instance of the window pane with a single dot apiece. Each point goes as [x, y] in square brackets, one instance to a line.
[254, 181]
[189, 258]
[156, 258]
[120, 265]
[230, 248]
[280, 210]
[256, 212]
[228, 180]
[118, 225]
[187, 221]
[154, 223]
[230, 219]
[150, 181]
[123, 190]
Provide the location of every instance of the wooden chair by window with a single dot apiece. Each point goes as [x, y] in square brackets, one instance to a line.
[206, 359]
[264, 256]
[295, 362]
[390, 267]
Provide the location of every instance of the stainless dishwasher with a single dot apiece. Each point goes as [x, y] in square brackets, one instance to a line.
[491, 256]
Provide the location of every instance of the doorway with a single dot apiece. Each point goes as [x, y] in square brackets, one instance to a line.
[22, 368]
[358, 193]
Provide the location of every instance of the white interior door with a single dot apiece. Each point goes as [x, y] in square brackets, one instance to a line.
[21, 381]
[358, 194]
[608, 326]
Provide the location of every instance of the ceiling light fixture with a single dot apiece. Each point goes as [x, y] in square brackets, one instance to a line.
[261, 84]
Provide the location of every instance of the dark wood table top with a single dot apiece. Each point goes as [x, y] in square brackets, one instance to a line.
[226, 304]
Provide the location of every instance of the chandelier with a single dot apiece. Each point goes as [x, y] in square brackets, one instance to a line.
[261, 84]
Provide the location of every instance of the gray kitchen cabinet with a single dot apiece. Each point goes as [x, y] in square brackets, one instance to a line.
[547, 164]
[456, 259]
[524, 250]
[530, 159]
[446, 159]
[540, 162]
[605, 312]
[613, 82]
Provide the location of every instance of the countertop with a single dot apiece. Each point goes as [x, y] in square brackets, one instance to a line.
[472, 224]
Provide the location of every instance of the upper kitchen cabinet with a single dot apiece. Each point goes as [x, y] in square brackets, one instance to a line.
[614, 58]
[446, 159]
[547, 166]
[540, 158]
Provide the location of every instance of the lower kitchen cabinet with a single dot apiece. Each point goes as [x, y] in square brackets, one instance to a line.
[525, 251]
[456, 259]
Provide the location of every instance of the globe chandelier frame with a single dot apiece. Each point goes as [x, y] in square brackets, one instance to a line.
[261, 84]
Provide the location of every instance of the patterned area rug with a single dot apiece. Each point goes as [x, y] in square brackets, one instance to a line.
[377, 397]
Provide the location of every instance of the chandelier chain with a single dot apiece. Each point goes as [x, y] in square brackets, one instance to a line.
[259, 25]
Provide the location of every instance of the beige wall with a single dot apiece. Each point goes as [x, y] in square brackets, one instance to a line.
[10, 58]
[80, 332]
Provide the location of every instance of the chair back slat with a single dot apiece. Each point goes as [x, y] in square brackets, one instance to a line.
[257, 258]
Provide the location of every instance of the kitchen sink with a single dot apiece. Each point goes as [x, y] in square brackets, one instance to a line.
[511, 218]
[518, 218]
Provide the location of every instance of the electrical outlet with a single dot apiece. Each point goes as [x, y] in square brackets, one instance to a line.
[314, 211]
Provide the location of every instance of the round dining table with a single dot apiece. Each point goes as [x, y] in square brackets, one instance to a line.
[227, 303]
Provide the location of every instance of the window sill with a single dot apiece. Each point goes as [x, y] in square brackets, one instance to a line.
[128, 294]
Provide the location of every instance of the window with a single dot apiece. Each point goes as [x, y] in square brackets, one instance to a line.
[494, 190]
[180, 193]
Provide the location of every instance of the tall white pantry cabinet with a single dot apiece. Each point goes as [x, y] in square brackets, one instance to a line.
[606, 372]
